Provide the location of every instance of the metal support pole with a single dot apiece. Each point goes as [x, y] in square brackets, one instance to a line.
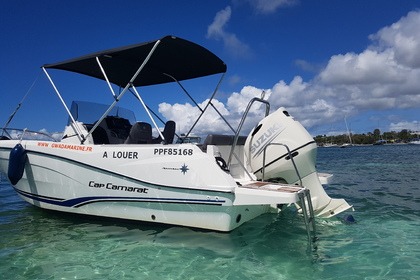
[208, 103]
[235, 140]
[148, 113]
[78, 131]
[106, 77]
[129, 84]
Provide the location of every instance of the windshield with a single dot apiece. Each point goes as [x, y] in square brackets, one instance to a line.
[89, 112]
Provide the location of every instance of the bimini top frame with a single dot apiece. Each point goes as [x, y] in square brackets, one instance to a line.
[169, 59]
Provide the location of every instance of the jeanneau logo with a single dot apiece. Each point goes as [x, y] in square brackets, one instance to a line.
[184, 169]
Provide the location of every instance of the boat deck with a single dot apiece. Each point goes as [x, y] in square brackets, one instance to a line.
[273, 187]
[258, 193]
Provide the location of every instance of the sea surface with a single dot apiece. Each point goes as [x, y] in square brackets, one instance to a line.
[382, 182]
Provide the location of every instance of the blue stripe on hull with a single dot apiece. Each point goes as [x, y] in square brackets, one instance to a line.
[80, 201]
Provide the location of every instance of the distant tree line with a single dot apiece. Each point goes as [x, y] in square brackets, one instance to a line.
[376, 136]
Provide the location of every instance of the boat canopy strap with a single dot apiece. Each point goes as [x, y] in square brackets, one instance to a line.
[175, 56]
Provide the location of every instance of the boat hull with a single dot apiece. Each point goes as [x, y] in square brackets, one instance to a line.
[78, 179]
[181, 213]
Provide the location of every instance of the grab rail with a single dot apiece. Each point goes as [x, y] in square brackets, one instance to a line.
[235, 139]
[290, 156]
[25, 134]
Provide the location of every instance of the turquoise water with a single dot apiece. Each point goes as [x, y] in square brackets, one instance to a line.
[382, 182]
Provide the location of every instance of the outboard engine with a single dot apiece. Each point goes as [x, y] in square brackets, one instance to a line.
[266, 151]
[272, 134]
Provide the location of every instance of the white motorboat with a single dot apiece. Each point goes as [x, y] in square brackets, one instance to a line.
[107, 164]
[415, 141]
[350, 143]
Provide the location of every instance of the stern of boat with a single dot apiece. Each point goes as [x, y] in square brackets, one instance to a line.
[279, 149]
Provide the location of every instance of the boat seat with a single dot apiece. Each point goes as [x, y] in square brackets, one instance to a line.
[168, 133]
[116, 128]
[120, 127]
[140, 133]
[99, 136]
[223, 140]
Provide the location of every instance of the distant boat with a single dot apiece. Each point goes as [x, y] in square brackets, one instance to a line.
[329, 145]
[415, 141]
[345, 145]
[380, 142]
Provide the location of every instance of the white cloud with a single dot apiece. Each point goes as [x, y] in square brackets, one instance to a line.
[385, 76]
[270, 6]
[307, 66]
[403, 37]
[216, 30]
[234, 80]
[365, 68]
[186, 114]
[237, 102]
[412, 126]
[290, 95]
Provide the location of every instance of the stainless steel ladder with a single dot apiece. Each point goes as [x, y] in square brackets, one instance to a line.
[308, 214]
[304, 197]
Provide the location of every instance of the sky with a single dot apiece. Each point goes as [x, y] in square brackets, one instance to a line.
[324, 61]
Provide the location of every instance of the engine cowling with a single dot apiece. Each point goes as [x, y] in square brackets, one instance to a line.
[271, 134]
